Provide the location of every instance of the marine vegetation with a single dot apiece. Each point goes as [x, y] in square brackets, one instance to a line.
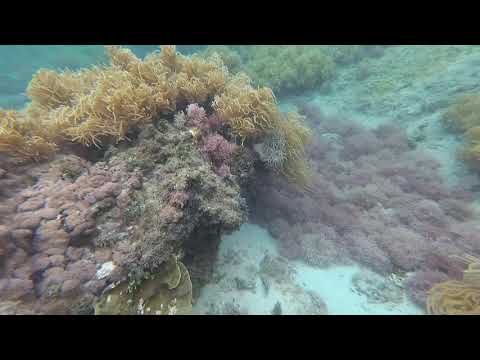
[464, 117]
[457, 297]
[374, 200]
[290, 69]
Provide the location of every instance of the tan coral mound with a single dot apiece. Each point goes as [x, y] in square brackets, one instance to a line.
[102, 104]
[457, 297]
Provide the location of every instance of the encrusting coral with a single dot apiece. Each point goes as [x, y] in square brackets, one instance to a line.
[457, 297]
[105, 104]
[69, 228]
[168, 292]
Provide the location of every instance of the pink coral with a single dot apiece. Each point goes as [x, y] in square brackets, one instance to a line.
[194, 111]
[219, 150]
[196, 115]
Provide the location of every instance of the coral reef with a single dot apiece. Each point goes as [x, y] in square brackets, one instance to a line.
[69, 228]
[421, 282]
[147, 160]
[22, 138]
[181, 198]
[118, 181]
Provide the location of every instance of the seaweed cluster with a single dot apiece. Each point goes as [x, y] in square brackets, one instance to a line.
[373, 200]
[292, 67]
[283, 68]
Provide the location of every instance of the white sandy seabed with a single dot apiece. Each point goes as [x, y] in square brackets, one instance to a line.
[238, 287]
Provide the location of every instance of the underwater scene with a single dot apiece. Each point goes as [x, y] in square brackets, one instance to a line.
[240, 180]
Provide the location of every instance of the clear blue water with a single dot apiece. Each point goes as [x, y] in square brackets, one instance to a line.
[18, 63]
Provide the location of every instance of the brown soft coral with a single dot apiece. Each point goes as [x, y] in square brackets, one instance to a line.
[248, 111]
[20, 137]
[464, 116]
[457, 297]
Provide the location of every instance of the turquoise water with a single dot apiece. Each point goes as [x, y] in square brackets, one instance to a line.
[390, 191]
[18, 63]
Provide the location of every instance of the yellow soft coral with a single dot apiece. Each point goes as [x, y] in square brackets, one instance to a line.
[248, 111]
[457, 297]
[297, 137]
[18, 138]
[464, 116]
[464, 113]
